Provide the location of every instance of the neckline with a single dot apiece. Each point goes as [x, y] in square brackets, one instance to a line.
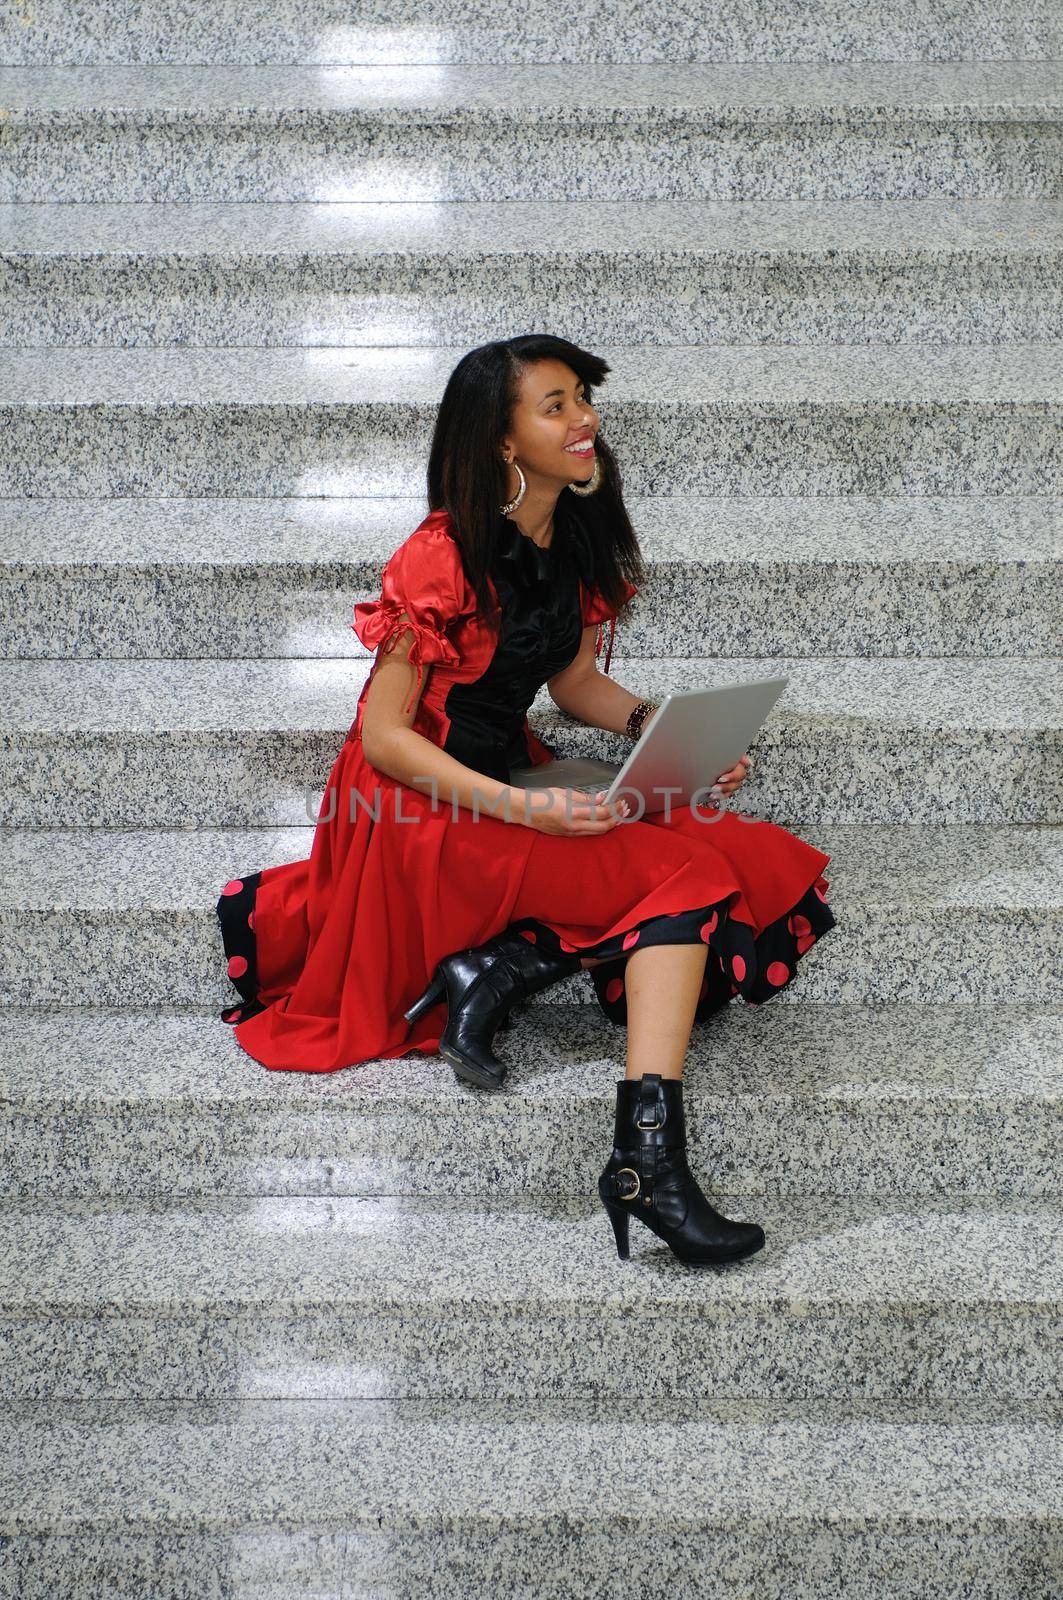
[534, 562]
[526, 538]
[569, 547]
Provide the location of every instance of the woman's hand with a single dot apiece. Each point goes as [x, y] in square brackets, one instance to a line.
[728, 782]
[567, 811]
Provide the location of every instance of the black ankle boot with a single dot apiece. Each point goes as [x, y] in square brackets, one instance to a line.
[481, 985]
[647, 1176]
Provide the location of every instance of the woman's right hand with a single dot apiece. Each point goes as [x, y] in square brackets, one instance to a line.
[568, 811]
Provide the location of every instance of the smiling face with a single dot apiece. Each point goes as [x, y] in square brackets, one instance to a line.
[552, 430]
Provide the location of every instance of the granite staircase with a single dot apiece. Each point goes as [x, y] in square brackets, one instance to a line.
[366, 1335]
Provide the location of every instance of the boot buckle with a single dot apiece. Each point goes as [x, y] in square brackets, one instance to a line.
[650, 1125]
[638, 1183]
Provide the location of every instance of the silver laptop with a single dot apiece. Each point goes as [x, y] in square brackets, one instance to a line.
[693, 736]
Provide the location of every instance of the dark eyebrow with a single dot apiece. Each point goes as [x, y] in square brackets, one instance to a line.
[550, 394]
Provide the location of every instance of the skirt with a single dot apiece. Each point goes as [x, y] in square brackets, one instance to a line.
[327, 953]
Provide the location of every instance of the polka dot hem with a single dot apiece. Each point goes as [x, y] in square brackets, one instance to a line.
[236, 913]
[756, 967]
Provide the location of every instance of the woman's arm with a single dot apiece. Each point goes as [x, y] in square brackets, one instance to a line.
[589, 695]
[391, 745]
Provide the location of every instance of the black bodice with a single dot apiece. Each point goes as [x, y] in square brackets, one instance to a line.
[538, 591]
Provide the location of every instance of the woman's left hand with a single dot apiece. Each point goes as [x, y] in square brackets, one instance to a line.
[728, 782]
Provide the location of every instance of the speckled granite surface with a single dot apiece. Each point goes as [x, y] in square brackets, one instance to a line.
[641, 272]
[435, 133]
[307, 1298]
[812, 1100]
[953, 88]
[476, 236]
[542, 1565]
[778, 1505]
[980, 1478]
[790, 420]
[474, 30]
[844, 576]
[245, 743]
[827, 532]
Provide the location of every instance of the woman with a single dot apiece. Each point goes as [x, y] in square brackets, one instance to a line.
[437, 894]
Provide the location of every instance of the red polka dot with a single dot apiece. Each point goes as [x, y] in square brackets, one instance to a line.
[738, 967]
[529, 934]
[777, 973]
[821, 895]
[710, 926]
[250, 919]
[231, 1016]
[803, 944]
[798, 925]
[734, 988]
[631, 939]
[614, 989]
[233, 886]
[237, 966]
[822, 883]
[568, 948]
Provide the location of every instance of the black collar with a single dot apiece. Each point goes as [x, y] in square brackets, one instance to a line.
[524, 561]
[529, 563]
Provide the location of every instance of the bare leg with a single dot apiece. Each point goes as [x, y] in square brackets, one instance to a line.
[662, 983]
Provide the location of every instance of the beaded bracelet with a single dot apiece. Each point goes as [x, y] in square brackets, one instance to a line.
[638, 717]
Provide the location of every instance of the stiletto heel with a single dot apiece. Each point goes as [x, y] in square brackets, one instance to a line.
[620, 1220]
[435, 992]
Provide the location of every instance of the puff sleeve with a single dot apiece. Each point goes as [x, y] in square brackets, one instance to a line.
[596, 610]
[423, 587]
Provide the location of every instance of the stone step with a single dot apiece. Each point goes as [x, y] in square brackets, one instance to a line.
[115, 744]
[842, 419]
[367, 1498]
[957, 915]
[730, 30]
[730, 131]
[832, 576]
[788, 272]
[315, 1298]
[802, 1101]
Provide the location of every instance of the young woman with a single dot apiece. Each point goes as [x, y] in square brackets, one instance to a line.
[437, 894]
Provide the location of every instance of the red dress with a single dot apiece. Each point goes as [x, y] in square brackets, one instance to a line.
[328, 953]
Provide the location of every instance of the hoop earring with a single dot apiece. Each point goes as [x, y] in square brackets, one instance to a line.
[593, 483]
[512, 505]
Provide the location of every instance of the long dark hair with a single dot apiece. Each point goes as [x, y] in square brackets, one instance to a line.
[467, 475]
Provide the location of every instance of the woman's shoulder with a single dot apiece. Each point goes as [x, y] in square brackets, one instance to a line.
[436, 531]
[430, 560]
[423, 588]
